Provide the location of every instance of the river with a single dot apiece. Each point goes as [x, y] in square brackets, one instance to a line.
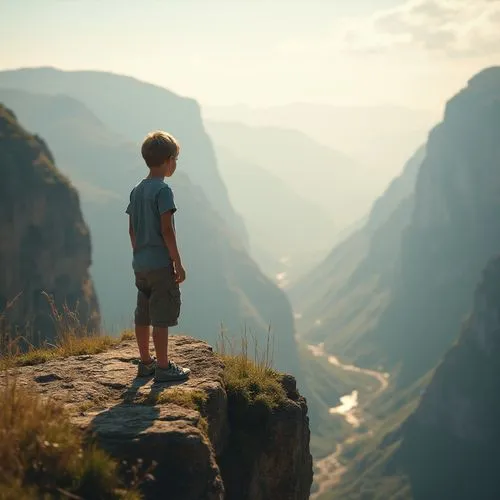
[329, 469]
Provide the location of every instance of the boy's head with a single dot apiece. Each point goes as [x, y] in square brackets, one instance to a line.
[160, 151]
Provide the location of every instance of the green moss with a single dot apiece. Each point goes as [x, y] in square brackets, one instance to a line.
[186, 398]
[192, 399]
[203, 425]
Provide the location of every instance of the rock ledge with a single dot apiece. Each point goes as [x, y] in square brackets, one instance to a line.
[104, 398]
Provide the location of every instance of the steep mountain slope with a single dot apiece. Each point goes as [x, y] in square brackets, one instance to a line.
[451, 234]
[44, 241]
[343, 293]
[448, 446]
[223, 285]
[456, 423]
[317, 173]
[288, 233]
[132, 108]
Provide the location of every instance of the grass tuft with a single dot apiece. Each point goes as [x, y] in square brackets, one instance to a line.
[72, 339]
[69, 346]
[251, 381]
[127, 335]
[42, 455]
[244, 379]
[203, 426]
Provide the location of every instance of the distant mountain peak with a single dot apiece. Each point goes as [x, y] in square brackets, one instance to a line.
[486, 77]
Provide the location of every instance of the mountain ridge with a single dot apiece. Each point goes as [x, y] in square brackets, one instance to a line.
[450, 228]
[433, 431]
[159, 109]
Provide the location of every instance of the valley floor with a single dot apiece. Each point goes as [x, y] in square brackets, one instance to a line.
[341, 426]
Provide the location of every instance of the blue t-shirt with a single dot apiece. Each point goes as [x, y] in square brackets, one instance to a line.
[148, 201]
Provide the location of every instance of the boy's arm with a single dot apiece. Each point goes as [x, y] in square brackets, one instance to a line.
[130, 227]
[168, 233]
[131, 232]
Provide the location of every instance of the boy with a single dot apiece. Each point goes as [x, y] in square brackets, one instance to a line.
[156, 262]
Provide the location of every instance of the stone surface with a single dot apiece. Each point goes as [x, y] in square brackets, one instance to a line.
[104, 398]
[271, 459]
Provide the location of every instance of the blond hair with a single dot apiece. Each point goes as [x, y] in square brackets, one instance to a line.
[158, 147]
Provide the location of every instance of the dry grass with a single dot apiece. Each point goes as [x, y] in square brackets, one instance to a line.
[5, 331]
[203, 426]
[262, 358]
[42, 455]
[72, 339]
[69, 346]
[127, 335]
[251, 380]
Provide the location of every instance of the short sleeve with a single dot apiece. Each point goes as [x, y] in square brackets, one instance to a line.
[166, 201]
[129, 206]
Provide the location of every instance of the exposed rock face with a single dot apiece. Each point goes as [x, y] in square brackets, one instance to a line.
[448, 448]
[254, 465]
[453, 232]
[44, 242]
[194, 461]
[450, 444]
[443, 241]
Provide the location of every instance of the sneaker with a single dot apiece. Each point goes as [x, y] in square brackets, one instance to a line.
[144, 370]
[172, 373]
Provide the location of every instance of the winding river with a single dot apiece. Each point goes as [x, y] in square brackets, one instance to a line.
[329, 469]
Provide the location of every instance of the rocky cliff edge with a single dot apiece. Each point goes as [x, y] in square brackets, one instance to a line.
[186, 431]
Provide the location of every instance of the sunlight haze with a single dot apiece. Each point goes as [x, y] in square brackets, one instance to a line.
[334, 171]
[414, 53]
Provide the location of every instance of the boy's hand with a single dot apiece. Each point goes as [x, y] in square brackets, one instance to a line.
[180, 274]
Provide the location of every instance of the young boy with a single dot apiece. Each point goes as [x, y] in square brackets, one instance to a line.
[156, 262]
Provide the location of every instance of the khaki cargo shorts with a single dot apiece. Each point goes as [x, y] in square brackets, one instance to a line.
[158, 298]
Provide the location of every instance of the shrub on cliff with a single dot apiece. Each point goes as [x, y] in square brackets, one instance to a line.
[254, 388]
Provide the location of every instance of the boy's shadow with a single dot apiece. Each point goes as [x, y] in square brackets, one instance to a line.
[134, 414]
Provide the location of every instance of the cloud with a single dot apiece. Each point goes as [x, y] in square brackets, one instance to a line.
[458, 28]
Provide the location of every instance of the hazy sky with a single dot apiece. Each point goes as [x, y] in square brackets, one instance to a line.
[260, 52]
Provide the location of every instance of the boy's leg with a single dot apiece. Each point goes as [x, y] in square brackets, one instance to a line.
[166, 370]
[142, 318]
[160, 340]
[142, 334]
[164, 308]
